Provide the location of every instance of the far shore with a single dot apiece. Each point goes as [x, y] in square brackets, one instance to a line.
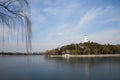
[100, 55]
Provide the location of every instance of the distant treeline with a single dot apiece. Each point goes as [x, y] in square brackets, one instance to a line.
[18, 53]
[85, 49]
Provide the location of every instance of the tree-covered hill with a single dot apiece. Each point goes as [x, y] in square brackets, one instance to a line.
[85, 49]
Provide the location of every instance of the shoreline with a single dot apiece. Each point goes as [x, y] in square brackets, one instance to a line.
[106, 55]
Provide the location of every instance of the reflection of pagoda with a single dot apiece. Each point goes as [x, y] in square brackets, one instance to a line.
[85, 39]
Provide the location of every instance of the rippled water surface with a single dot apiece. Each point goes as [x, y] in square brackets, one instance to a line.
[43, 68]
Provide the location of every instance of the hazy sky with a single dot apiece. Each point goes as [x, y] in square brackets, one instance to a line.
[60, 22]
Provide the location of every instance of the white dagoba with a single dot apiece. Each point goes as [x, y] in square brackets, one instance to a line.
[85, 39]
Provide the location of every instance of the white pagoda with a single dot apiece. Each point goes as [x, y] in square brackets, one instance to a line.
[85, 39]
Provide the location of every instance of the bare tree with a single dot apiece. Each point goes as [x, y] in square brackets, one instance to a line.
[15, 15]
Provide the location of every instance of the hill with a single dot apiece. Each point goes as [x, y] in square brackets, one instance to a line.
[85, 49]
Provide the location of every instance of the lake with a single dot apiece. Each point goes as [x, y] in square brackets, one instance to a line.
[43, 68]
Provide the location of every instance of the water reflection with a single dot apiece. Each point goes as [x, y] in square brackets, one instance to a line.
[46, 68]
[84, 61]
[90, 67]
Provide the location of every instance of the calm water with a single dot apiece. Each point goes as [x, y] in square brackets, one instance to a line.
[42, 68]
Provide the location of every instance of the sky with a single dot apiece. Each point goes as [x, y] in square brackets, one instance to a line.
[60, 22]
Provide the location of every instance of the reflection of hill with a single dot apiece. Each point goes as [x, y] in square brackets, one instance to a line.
[87, 66]
[77, 62]
[85, 49]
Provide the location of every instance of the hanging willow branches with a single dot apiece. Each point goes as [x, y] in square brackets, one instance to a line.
[14, 14]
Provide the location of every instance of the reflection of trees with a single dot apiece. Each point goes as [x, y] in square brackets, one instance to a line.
[14, 15]
[85, 66]
[88, 62]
